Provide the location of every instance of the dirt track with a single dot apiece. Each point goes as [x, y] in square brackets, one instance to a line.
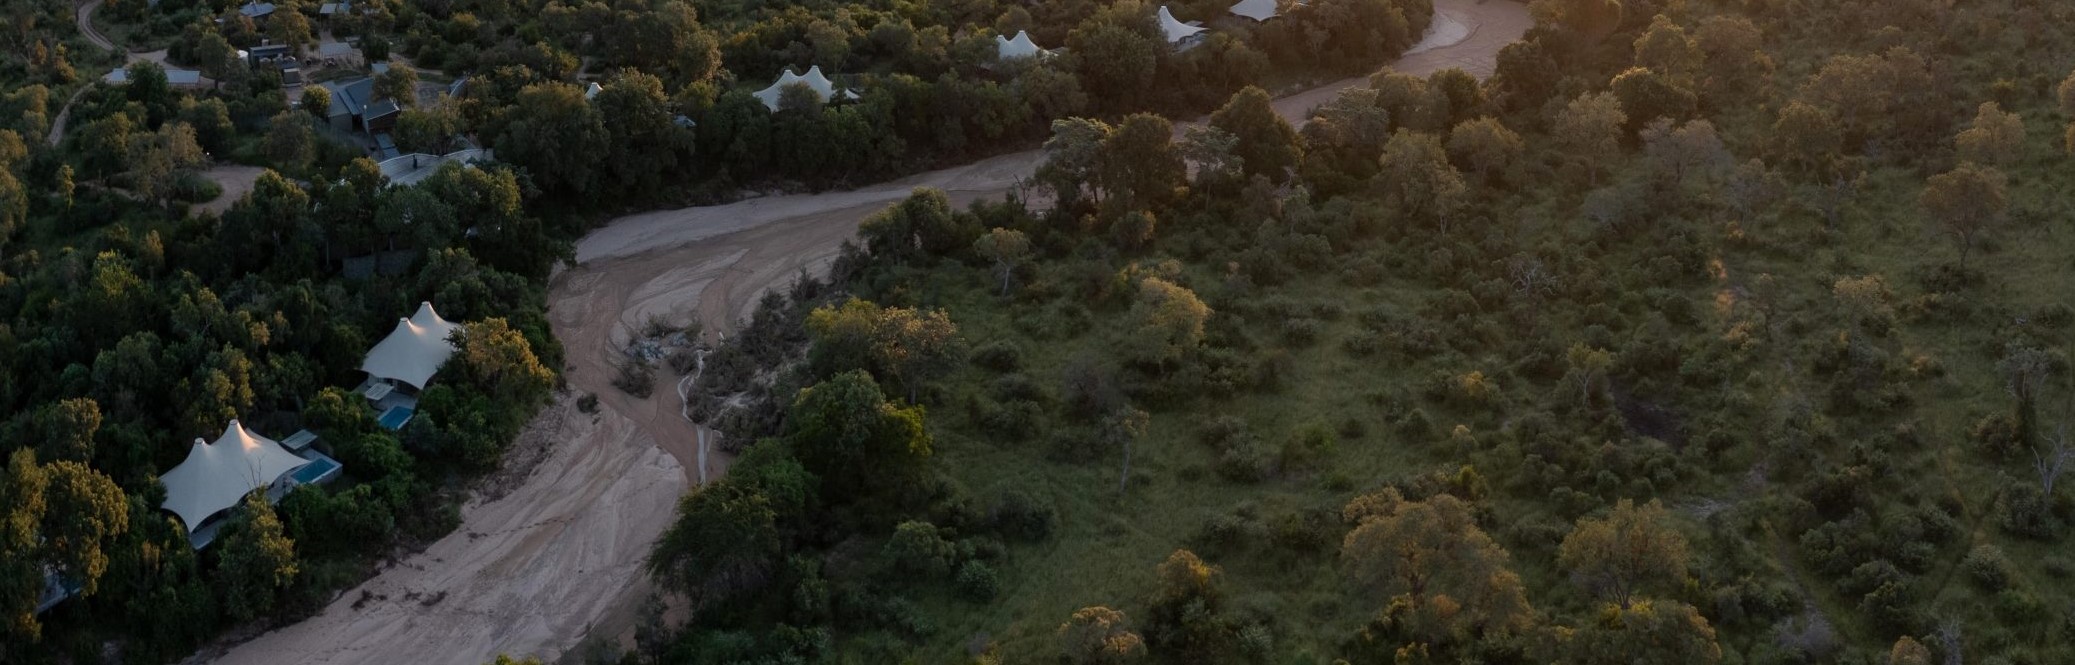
[563, 549]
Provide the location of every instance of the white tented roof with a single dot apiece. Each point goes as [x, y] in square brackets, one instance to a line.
[1020, 47]
[1176, 30]
[414, 351]
[1259, 10]
[815, 80]
[218, 475]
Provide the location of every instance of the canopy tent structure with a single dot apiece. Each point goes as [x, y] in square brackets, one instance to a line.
[814, 80]
[414, 351]
[1020, 47]
[218, 474]
[1176, 31]
[1258, 10]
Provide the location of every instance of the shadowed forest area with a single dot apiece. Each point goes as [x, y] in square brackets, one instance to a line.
[1701, 332]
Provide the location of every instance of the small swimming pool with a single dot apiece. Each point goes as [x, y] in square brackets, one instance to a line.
[395, 417]
[316, 470]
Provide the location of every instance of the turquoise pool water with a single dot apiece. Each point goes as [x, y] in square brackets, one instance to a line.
[396, 416]
[315, 470]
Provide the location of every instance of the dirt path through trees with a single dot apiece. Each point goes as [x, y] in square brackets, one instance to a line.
[559, 557]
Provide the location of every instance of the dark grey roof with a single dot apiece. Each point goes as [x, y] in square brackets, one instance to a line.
[381, 109]
[350, 97]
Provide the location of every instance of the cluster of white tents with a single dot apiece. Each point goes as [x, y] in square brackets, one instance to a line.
[218, 474]
[1013, 48]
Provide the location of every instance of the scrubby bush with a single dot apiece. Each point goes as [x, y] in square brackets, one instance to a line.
[917, 548]
[977, 582]
[1301, 331]
[635, 379]
[1987, 568]
[998, 355]
[1017, 514]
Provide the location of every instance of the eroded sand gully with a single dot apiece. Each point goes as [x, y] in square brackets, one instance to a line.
[559, 556]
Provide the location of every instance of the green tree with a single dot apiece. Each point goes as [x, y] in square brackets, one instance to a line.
[648, 147]
[428, 129]
[316, 101]
[503, 361]
[1733, 49]
[1072, 159]
[1966, 201]
[853, 439]
[1648, 631]
[922, 225]
[1417, 178]
[104, 144]
[1685, 151]
[61, 517]
[1138, 164]
[1665, 47]
[1648, 94]
[1116, 65]
[1806, 137]
[1486, 146]
[1996, 138]
[1119, 430]
[1631, 549]
[219, 60]
[1441, 574]
[1167, 323]
[1589, 130]
[557, 136]
[158, 160]
[1186, 621]
[66, 429]
[290, 27]
[14, 195]
[916, 346]
[1007, 249]
[917, 548]
[1214, 153]
[400, 84]
[290, 142]
[724, 542]
[256, 558]
[1099, 636]
[1267, 144]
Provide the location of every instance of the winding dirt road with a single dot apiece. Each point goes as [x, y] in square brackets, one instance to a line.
[558, 558]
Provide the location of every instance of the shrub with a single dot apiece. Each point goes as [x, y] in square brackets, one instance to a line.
[1363, 343]
[918, 549]
[1244, 462]
[977, 582]
[635, 379]
[588, 403]
[683, 361]
[1301, 331]
[1997, 434]
[2031, 514]
[1017, 514]
[1013, 420]
[1011, 387]
[1987, 568]
[999, 356]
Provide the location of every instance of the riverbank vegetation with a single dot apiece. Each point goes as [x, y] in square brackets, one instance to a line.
[1701, 332]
